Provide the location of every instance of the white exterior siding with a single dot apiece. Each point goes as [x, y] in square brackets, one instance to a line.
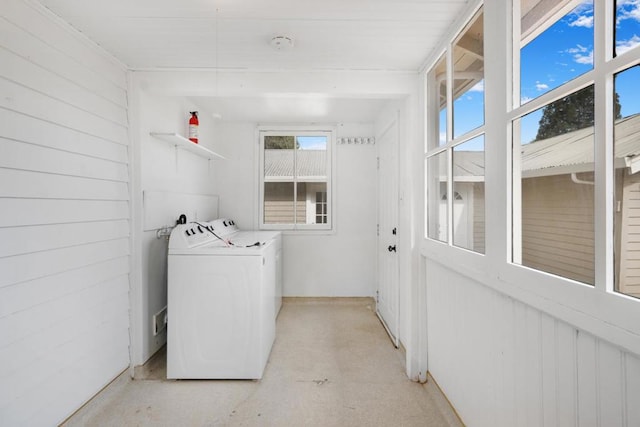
[630, 235]
[503, 363]
[479, 222]
[558, 227]
[64, 218]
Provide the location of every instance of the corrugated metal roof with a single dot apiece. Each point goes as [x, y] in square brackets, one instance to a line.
[278, 163]
[571, 152]
[574, 151]
[467, 164]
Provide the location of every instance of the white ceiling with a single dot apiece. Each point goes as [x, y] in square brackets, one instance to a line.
[293, 109]
[372, 35]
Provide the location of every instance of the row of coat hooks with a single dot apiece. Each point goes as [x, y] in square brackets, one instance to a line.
[357, 140]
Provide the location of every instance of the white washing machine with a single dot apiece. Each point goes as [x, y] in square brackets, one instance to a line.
[224, 293]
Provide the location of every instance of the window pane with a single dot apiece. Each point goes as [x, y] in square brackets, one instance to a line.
[440, 82]
[437, 196]
[468, 190]
[553, 188]
[278, 157]
[321, 207]
[627, 182]
[311, 157]
[315, 201]
[554, 51]
[278, 203]
[468, 75]
[627, 25]
[296, 190]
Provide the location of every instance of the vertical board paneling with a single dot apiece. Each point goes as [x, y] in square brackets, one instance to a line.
[567, 403]
[64, 218]
[587, 380]
[610, 385]
[632, 390]
[503, 363]
[549, 371]
[533, 367]
[520, 377]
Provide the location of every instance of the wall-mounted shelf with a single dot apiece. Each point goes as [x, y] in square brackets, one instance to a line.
[183, 143]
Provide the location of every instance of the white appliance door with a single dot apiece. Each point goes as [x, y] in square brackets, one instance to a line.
[214, 317]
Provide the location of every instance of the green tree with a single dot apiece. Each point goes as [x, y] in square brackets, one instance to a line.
[570, 113]
[280, 142]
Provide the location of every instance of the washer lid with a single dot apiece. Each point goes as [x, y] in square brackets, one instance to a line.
[220, 248]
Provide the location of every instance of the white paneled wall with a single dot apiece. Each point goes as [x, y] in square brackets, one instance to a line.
[503, 363]
[64, 218]
[173, 182]
[313, 263]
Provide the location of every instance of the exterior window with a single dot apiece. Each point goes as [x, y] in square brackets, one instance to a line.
[553, 180]
[295, 180]
[454, 160]
[554, 161]
[553, 212]
[627, 34]
[627, 182]
[554, 51]
[468, 78]
[321, 207]
[437, 196]
[468, 187]
[439, 77]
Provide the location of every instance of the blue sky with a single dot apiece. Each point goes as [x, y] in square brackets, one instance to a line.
[561, 53]
[565, 51]
[312, 142]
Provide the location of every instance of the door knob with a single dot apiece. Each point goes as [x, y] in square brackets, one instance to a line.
[391, 248]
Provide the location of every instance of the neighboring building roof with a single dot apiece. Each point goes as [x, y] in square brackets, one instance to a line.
[278, 163]
[468, 165]
[574, 151]
[562, 154]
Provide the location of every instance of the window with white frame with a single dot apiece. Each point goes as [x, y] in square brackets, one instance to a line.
[295, 179]
[556, 136]
[454, 158]
[562, 134]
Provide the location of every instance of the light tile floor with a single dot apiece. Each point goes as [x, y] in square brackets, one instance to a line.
[332, 364]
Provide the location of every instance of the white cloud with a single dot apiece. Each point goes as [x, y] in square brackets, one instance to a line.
[581, 54]
[478, 87]
[624, 45]
[628, 9]
[578, 49]
[582, 21]
[525, 99]
[584, 59]
[541, 86]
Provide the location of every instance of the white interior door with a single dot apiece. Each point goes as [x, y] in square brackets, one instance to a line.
[387, 295]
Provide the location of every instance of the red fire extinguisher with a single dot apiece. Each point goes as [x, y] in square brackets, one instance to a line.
[193, 127]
